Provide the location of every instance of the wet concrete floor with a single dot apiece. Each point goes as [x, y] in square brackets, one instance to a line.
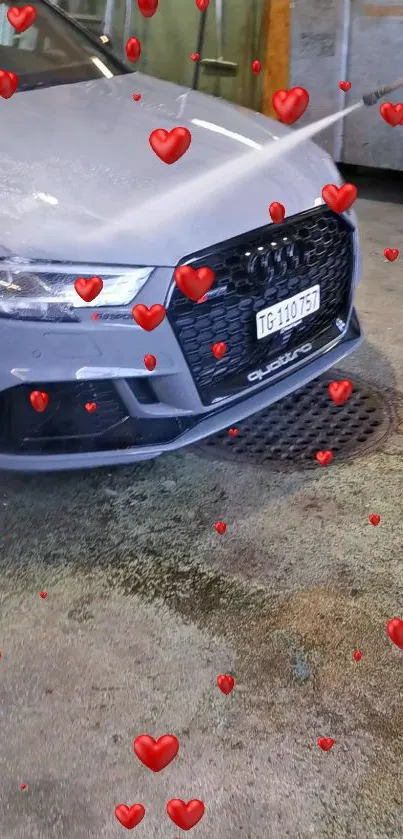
[147, 604]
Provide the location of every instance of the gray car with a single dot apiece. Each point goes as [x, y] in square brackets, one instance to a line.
[84, 195]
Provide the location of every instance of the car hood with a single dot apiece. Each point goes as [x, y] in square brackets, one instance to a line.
[82, 184]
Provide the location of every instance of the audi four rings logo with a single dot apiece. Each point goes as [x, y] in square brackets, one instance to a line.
[269, 261]
[276, 258]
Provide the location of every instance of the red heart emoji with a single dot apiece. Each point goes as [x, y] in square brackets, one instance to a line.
[256, 67]
[43, 594]
[374, 519]
[133, 49]
[22, 18]
[225, 683]
[324, 457]
[39, 400]
[289, 105]
[169, 146]
[136, 97]
[194, 283]
[147, 8]
[394, 629]
[88, 288]
[202, 5]
[357, 655]
[156, 754]
[339, 198]
[220, 527]
[148, 318]
[392, 114]
[150, 361]
[184, 815]
[90, 407]
[391, 254]
[130, 816]
[219, 349]
[345, 86]
[8, 84]
[326, 743]
[341, 391]
[195, 56]
[233, 432]
[23, 786]
[277, 212]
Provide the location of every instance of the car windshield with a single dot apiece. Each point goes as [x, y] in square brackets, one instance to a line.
[51, 51]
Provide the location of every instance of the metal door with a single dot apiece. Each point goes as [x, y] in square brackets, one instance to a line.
[375, 58]
[356, 41]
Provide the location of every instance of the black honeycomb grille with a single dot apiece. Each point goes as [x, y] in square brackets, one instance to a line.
[313, 248]
[66, 425]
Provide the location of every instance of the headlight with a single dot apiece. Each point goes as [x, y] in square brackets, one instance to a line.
[35, 291]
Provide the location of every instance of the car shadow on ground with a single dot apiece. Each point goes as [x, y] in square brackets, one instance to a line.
[382, 185]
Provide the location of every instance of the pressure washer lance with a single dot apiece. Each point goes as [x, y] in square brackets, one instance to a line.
[374, 97]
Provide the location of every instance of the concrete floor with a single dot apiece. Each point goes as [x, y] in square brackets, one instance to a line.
[147, 604]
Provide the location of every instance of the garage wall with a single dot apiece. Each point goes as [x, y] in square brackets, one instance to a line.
[171, 36]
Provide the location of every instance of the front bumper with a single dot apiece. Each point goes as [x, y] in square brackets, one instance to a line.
[140, 415]
[189, 429]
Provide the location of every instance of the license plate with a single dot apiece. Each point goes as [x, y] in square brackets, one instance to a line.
[288, 312]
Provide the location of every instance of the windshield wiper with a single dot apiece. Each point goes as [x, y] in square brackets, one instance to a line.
[53, 83]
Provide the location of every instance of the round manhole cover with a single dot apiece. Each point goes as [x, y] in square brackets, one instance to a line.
[289, 433]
